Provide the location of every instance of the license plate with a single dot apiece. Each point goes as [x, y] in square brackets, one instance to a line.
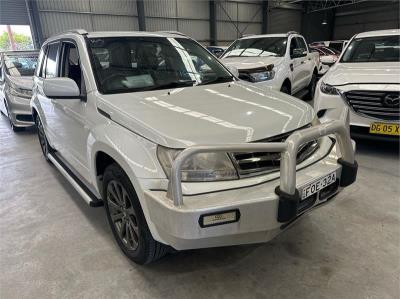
[318, 185]
[384, 129]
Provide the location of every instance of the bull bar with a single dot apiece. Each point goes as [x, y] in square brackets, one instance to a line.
[289, 195]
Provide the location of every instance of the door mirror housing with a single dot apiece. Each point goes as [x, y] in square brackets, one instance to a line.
[61, 88]
[234, 70]
[299, 52]
[328, 60]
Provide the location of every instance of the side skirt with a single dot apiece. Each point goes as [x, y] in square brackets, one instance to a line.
[78, 185]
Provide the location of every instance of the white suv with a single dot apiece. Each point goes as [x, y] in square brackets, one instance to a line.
[180, 152]
[366, 79]
[279, 61]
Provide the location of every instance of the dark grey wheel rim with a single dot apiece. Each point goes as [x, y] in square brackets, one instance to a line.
[122, 214]
[42, 137]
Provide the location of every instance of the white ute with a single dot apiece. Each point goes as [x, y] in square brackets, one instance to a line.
[366, 79]
[282, 62]
[181, 153]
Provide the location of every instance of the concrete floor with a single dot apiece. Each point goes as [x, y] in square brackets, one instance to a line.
[54, 245]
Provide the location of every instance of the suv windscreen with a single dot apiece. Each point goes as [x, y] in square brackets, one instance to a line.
[128, 64]
[20, 65]
[263, 46]
[373, 49]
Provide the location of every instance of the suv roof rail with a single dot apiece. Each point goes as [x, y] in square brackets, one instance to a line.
[172, 32]
[291, 32]
[78, 31]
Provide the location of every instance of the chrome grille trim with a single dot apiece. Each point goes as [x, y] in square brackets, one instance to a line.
[257, 163]
[371, 104]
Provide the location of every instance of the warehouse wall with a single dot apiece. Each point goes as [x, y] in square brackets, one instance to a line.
[366, 16]
[13, 12]
[189, 17]
[237, 18]
[60, 15]
[282, 20]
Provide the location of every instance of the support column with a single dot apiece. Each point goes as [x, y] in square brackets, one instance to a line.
[213, 23]
[264, 11]
[141, 15]
[34, 21]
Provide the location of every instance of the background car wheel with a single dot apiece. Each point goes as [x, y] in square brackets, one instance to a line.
[311, 87]
[44, 144]
[285, 89]
[126, 218]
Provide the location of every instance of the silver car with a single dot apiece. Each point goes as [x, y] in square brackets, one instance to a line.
[16, 71]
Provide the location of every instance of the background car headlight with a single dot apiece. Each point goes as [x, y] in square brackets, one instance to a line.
[19, 92]
[328, 89]
[262, 76]
[201, 167]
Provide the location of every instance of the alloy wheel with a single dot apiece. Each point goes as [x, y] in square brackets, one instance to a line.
[123, 215]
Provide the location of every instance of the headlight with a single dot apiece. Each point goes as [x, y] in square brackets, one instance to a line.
[262, 76]
[328, 89]
[19, 92]
[201, 167]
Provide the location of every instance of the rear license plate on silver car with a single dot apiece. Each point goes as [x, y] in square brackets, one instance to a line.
[318, 185]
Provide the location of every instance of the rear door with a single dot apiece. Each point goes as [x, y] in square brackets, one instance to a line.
[306, 65]
[48, 70]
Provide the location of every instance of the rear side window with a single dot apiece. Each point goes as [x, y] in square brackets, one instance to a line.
[51, 61]
[38, 71]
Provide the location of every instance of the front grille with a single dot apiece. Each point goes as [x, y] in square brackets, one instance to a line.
[376, 104]
[256, 163]
[245, 74]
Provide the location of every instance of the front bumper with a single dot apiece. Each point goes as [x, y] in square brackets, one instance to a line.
[177, 217]
[19, 111]
[330, 107]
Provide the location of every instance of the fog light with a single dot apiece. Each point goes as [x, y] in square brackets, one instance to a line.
[219, 218]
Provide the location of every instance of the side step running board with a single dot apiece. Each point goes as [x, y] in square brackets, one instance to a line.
[78, 185]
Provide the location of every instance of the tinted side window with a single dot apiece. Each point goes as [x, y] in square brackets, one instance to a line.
[70, 65]
[39, 66]
[300, 43]
[293, 45]
[51, 61]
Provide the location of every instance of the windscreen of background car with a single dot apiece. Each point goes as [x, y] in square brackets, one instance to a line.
[373, 49]
[20, 65]
[128, 64]
[261, 47]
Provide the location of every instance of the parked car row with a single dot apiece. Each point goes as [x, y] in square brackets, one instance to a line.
[188, 151]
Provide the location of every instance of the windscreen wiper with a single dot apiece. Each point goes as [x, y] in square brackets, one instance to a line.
[174, 84]
[217, 80]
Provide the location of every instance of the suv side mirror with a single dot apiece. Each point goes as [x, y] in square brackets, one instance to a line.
[61, 88]
[298, 52]
[328, 60]
[234, 70]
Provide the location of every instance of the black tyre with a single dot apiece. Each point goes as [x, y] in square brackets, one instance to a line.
[126, 218]
[285, 89]
[311, 87]
[44, 144]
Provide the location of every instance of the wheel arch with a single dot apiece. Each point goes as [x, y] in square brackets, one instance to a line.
[287, 83]
[132, 153]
